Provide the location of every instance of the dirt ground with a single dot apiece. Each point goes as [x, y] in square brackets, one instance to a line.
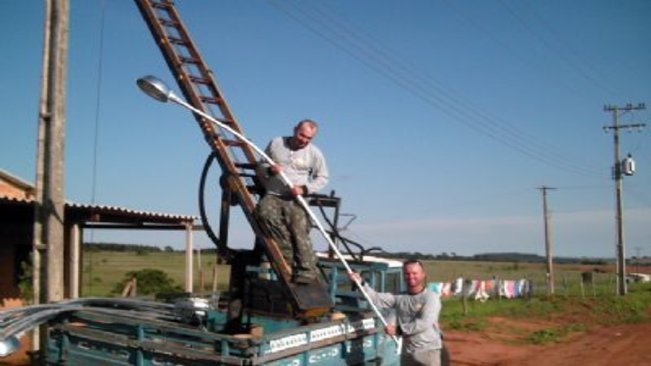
[499, 345]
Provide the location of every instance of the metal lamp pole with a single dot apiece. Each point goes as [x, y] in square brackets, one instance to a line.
[156, 89]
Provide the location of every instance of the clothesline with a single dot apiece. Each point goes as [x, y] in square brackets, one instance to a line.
[483, 289]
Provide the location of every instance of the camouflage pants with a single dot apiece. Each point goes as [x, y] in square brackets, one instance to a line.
[289, 225]
[426, 357]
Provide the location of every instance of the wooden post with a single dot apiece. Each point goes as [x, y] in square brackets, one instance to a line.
[594, 291]
[200, 270]
[465, 293]
[134, 287]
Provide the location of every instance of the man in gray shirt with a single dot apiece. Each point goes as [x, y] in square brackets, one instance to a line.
[417, 315]
[283, 217]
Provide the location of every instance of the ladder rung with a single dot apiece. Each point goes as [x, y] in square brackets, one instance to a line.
[232, 143]
[160, 5]
[168, 22]
[188, 60]
[177, 41]
[212, 100]
[199, 79]
[246, 165]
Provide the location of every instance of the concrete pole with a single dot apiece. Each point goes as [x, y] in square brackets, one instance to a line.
[48, 231]
[188, 257]
[617, 173]
[619, 218]
[73, 267]
[200, 270]
[50, 196]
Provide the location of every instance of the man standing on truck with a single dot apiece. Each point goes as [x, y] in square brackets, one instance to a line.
[417, 315]
[281, 214]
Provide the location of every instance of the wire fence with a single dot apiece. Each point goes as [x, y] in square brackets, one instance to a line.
[571, 284]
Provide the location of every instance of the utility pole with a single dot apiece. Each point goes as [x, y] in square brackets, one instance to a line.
[48, 237]
[548, 242]
[617, 176]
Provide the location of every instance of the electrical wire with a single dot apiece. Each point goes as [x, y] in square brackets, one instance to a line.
[422, 86]
[98, 98]
[581, 66]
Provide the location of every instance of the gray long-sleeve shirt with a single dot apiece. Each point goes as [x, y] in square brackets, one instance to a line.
[417, 317]
[304, 167]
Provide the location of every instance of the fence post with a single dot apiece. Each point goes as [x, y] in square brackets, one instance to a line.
[465, 293]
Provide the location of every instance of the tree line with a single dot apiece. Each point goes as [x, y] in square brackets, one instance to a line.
[452, 256]
[117, 247]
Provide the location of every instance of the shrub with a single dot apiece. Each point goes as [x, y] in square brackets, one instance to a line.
[150, 281]
[25, 281]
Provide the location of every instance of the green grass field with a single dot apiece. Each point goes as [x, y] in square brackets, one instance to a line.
[103, 269]
[584, 305]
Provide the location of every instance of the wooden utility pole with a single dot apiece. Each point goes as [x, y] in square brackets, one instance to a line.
[617, 176]
[548, 242]
[50, 197]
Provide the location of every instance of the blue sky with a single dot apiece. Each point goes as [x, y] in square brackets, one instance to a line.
[440, 119]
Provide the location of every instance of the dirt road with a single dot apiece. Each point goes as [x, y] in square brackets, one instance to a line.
[613, 345]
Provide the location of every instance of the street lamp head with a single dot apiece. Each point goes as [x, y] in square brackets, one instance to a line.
[155, 88]
[9, 346]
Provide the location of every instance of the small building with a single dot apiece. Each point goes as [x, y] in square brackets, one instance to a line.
[17, 205]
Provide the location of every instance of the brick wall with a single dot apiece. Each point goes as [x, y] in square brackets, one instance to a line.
[15, 187]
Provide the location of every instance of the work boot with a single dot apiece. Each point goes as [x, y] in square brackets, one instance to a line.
[304, 278]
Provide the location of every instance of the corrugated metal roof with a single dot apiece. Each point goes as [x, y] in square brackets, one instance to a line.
[4, 198]
[108, 210]
[116, 210]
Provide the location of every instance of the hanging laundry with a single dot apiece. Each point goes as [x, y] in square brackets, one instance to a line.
[458, 286]
[435, 287]
[481, 294]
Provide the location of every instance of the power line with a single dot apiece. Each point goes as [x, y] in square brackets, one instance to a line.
[98, 99]
[422, 86]
[576, 66]
[477, 118]
[530, 62]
